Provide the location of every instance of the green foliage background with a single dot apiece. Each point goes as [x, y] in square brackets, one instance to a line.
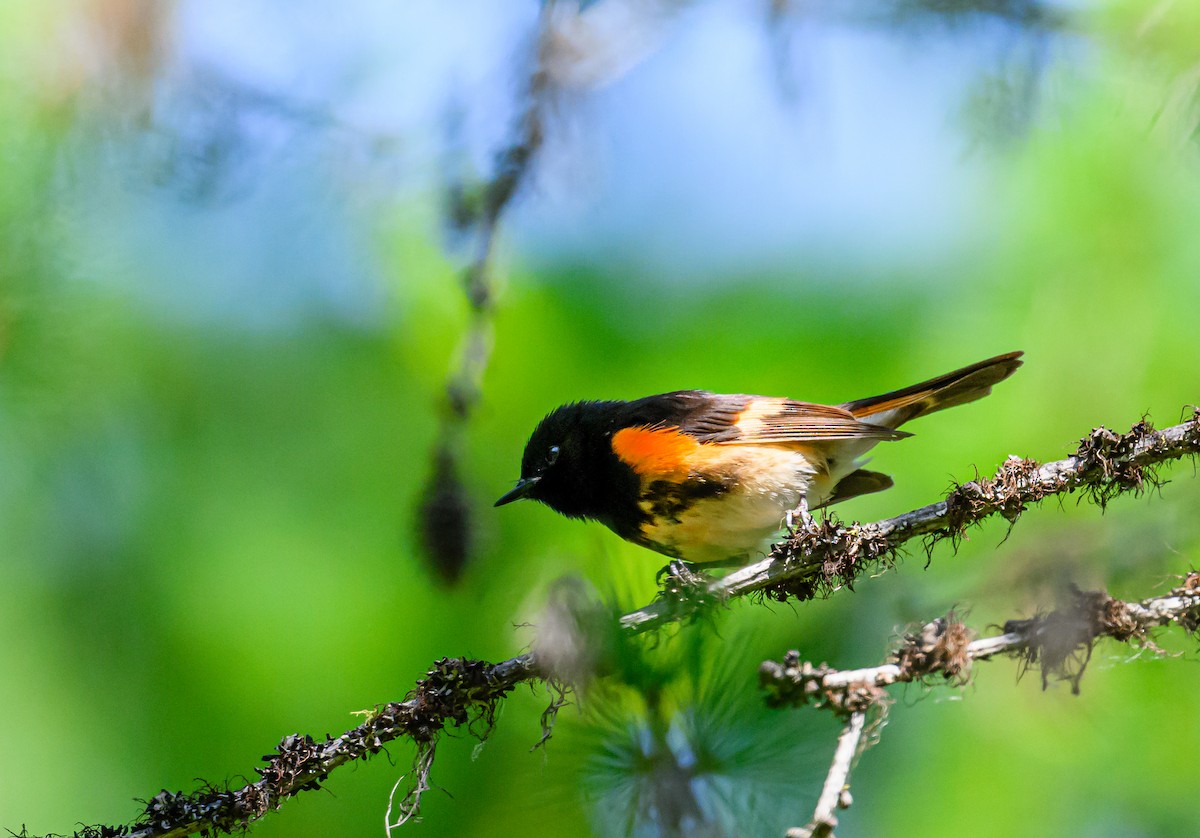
[206, 532]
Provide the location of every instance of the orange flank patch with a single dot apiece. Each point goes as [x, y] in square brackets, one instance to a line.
[657, 452]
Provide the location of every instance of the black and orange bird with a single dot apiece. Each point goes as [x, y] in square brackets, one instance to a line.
[704, 477]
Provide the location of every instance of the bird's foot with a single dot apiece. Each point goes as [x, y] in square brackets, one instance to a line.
[680, 582]
[801, 514]
[678, 576]
[676, 568]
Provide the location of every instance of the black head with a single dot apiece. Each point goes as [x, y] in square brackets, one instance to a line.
[568, 462]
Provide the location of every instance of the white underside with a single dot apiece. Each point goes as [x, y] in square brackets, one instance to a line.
[742, 525]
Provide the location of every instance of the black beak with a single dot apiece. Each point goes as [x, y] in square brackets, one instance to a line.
[522, 489]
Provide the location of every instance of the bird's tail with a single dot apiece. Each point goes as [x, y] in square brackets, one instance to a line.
[954, 388]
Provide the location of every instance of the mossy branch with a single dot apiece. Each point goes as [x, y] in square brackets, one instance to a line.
[454, 692]
[1059, 642]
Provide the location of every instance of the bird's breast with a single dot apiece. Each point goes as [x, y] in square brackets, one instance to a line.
[730, 503]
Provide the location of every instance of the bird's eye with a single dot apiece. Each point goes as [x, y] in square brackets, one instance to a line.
[551, 455]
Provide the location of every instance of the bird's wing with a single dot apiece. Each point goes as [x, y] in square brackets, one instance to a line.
[770, 420]
[743, 420]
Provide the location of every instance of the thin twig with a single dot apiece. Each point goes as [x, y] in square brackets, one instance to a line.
[836, 792]
[445, 509]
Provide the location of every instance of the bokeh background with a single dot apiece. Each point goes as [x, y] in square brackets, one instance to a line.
[231, 245]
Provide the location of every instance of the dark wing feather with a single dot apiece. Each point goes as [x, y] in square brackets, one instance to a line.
[743, 419]
[708, 417]
[860, 482]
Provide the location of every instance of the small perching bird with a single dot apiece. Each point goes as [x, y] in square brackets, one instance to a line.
[713, 478]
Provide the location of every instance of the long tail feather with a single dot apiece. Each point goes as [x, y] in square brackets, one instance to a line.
[954, 388]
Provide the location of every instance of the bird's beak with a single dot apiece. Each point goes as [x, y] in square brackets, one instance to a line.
[522, 489]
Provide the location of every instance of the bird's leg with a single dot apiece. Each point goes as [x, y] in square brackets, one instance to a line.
[671, 568]
[680, 574]
[801, 511]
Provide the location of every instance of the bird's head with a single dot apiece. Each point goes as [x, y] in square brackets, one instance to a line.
[559, 466]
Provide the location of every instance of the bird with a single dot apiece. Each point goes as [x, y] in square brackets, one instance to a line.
[708, 478]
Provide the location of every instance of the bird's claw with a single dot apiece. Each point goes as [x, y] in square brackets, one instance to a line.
[682, 572]
[807, 521]
[675, 567]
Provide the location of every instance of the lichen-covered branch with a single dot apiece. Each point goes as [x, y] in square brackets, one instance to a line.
[946, 648]
[829, 555]
[454, 692]
[1060, 642]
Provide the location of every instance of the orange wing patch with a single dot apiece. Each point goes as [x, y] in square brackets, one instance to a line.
[657, 452]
